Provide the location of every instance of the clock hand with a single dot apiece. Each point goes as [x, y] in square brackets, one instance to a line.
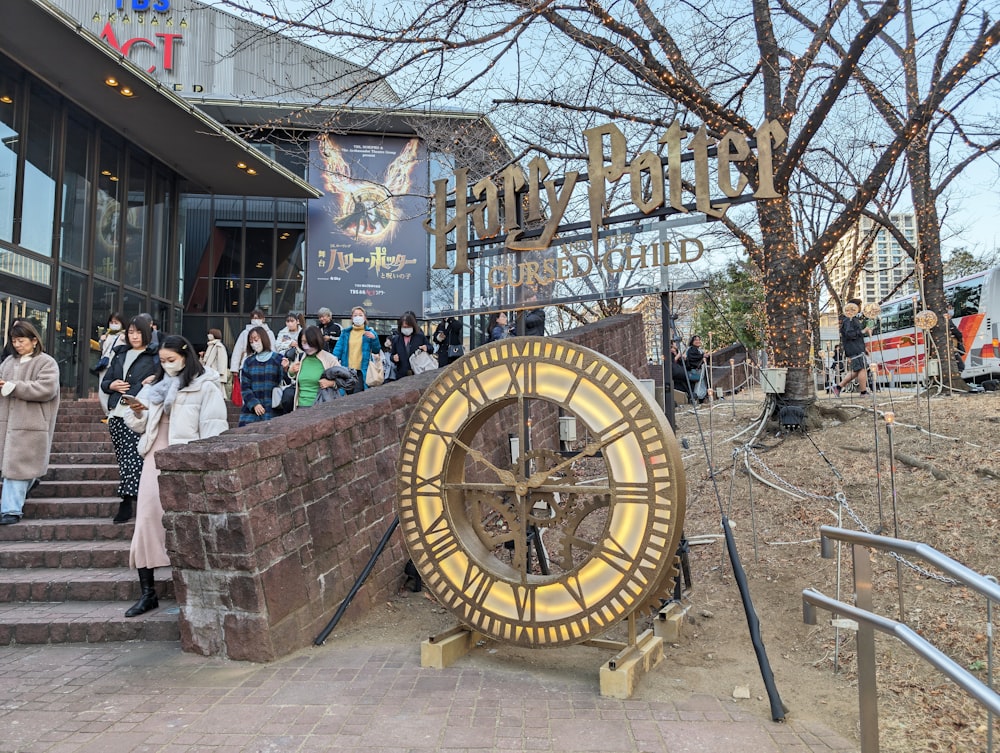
[506, 477]
[540, 477]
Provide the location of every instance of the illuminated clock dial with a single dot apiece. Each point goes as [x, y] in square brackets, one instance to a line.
[549, 547]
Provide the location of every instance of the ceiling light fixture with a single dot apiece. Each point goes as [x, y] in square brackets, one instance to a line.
[111, 81]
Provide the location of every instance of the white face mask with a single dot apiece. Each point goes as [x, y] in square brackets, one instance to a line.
[172, 368]
[358, 321]
[115, 327]
[308, 349]
[407, 331]
[257, 322]
[211, 337]
[257, 346]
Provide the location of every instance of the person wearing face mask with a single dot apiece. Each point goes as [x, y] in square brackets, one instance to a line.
[134, 362]
[406, 343]
[182, 403]
[308, 371]
[241, 350]
[356, 346]
[288, 337]
[260, 373]
[216, 358]
[110, 340]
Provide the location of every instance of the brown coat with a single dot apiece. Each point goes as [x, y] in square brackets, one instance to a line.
[28, 415]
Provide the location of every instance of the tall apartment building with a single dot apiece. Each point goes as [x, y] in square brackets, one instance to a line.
[886, 264]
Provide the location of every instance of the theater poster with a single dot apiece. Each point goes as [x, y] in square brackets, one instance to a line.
[367, 244]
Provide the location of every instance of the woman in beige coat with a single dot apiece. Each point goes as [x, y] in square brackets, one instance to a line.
[215, 358]
[29, 401]
[182, 405]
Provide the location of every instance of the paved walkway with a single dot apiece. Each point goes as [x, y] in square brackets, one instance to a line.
[117, 698]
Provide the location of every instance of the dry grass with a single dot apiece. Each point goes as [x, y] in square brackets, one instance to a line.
[946, 495]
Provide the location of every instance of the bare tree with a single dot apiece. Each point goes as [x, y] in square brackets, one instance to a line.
[632, 63]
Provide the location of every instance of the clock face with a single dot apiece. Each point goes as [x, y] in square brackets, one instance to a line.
[559, 543]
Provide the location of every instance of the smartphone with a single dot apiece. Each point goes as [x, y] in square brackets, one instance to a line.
[130, 400]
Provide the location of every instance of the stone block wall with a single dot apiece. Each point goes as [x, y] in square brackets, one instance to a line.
[269, 525]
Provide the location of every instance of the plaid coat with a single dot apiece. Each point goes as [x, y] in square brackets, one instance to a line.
[256, 381]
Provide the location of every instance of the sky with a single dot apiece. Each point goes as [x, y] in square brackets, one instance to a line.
[974, 206]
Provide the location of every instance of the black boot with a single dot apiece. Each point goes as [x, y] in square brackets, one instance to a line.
[125, 510]
[147, 600]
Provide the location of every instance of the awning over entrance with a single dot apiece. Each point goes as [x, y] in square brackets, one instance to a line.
[57, 49]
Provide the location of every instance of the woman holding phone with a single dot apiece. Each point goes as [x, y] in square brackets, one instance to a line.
[182, 403]
[134, 362]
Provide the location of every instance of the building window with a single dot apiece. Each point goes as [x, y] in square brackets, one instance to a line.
[38, 204]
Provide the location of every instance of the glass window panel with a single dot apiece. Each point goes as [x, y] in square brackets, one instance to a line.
[289, 288]
[227, 257]
[162, 315]
[108, 230]
[38, 204]
[75, 194]
[133, 304]
[26, 267]
[72, 343]
[135, 224]
[105, 303]
[9, 145]
[195, 230]
[162, 249]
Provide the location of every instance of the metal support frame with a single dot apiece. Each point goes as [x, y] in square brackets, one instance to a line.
[868, 622]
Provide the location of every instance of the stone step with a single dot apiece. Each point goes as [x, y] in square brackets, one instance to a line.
[83, 458]
[44, 584]
[104, 488]
[65, 554]
[85, 622]
[84, 434]
[81, 472]
[72, 445]
[49, 509]
[32, 528]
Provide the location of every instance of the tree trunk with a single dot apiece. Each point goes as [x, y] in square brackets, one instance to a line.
[929, 248]
[787, 278]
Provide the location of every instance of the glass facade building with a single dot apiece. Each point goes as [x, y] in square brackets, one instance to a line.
[126, 184]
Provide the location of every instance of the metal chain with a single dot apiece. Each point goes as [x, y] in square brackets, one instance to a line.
[841, 499]
[787, 484]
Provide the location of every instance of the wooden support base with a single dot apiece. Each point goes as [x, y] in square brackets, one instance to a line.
[669, 621]
[620, 676]
[443, 650]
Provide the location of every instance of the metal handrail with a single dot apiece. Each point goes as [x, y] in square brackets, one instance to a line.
[868, 622]
[955, 671]
[928, 554]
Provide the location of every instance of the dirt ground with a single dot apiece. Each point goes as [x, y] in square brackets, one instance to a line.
[945, 495]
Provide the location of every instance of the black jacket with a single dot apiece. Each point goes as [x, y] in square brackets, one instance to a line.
[145, 365]
[448, 333]
[534, 322]
[852, 336]
[404, 350]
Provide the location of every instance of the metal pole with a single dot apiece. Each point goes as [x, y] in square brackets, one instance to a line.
[668, 381]
[732, 378]
[890, 418]
[867, 691]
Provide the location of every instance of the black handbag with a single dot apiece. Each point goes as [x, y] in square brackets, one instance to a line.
[456, 351]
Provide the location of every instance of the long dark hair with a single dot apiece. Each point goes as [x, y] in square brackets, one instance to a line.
[182, 347]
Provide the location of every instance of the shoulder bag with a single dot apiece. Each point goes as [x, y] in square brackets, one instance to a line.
[375, 374]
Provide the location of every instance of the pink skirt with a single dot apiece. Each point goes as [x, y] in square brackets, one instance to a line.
[149, 547]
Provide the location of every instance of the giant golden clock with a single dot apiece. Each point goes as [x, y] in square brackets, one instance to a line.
[601, 518]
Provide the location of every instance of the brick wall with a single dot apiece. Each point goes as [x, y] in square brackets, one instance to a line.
[269, 525]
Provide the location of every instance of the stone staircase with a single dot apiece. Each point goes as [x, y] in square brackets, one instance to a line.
[64, 575]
